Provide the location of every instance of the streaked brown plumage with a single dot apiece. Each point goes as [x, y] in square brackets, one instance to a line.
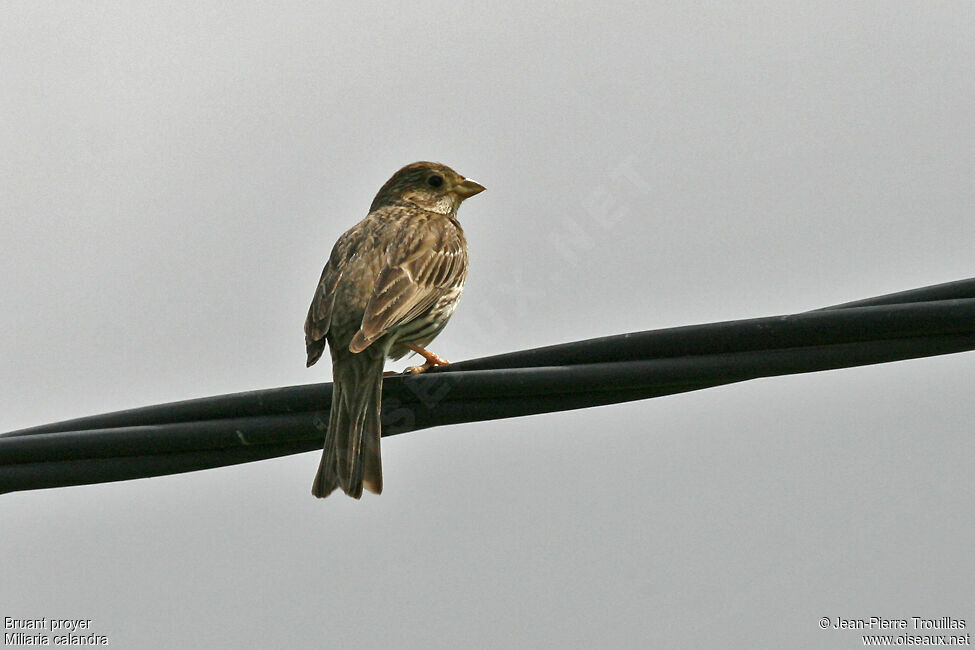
[389, 287]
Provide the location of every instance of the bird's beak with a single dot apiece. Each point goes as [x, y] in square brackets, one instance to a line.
[467, 188]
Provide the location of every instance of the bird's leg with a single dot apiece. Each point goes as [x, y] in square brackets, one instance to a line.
[431, 360]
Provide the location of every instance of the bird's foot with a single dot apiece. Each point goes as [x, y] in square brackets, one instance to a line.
[430, 358]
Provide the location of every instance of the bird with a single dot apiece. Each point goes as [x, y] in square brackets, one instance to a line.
[389, 287]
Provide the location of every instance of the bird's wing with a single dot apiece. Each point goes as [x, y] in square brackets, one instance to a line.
[422, 266]
[320, 312]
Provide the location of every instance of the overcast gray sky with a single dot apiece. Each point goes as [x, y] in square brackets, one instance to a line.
[173, 177]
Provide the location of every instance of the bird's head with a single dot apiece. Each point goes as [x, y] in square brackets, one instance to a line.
[427, 185]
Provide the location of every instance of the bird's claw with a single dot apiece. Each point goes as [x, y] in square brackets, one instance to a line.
[416, 370]
[431, 361]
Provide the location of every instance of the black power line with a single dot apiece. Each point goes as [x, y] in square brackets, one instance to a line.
[243, 427]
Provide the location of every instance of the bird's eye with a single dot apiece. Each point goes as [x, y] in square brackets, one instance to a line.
[435, 181]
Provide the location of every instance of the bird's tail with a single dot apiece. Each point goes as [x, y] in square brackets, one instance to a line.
[350, 459]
